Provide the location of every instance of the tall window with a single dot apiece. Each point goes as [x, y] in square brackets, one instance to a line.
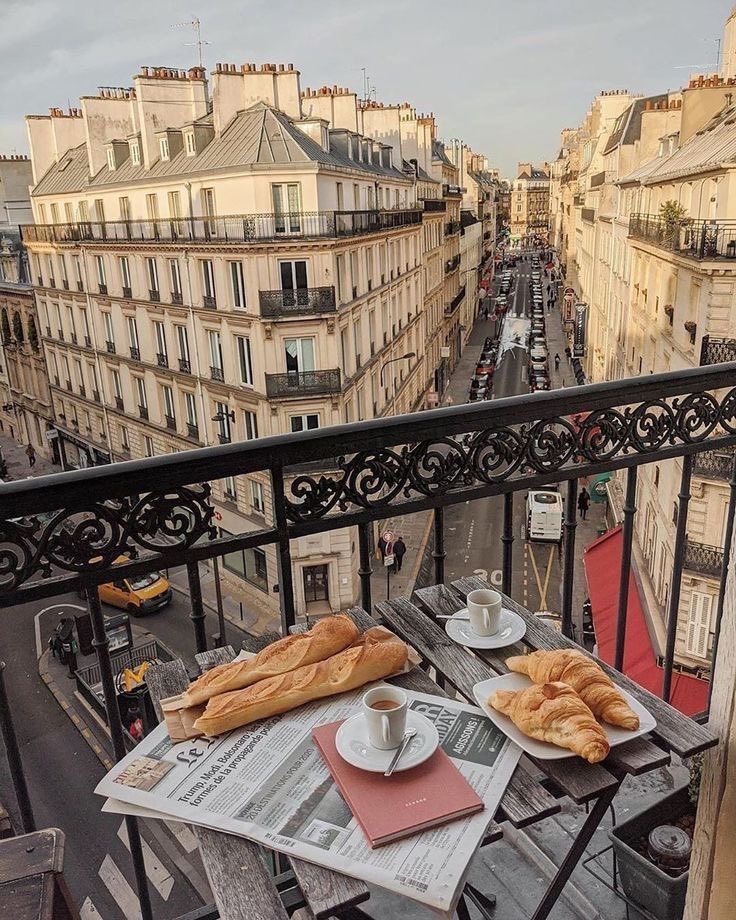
[117, 387]
[148, 446]
[182, 343]
[163, 147]
[83, 211]
[215, 345]
[161, 349]
[369, 266]
[698, 626]
[132, 333]
[245, 363]
[208, 281]
[152, 271]
[125, 274]
[99, 210]
[223, 422]
[190, 403]
[299, 355]
[124, 206]
[152, 206]
[286, 199]
[256, 497]
[237, 284]
[168, 395]
[174, 205]
[175, 278]
[140, 388]
[69, 212]
[340, 197]
[124, 439]
[64, 275]
[209, 210]
[101, 278]
[135, 153]
[354, 271]
[250, 425]
[190, 145]
[357, 341]
[78, 272]
[293, 280]
[54, 213]
[249, 564]
[342, 279]
[109, 328]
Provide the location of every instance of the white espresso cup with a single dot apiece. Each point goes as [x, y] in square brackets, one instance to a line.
[484, 611]
[385, 709]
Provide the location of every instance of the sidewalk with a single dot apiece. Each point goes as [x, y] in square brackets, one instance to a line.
[17, 462]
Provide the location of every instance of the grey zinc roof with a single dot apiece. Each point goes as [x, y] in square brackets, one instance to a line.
[258, 136]
[707, 150]
[641, 172]
[438, 153]
[628, 125]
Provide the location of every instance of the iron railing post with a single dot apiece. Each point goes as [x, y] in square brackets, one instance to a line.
[508, 540]
[439, 553]
[568, 563]
[197, 615]
[102, 648]
[677, 564]
[365, 571]
[623, 586]
[727, 541]
[286, 575]
[15, 763]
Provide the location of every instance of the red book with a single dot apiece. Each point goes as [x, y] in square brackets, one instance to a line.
[391, 807]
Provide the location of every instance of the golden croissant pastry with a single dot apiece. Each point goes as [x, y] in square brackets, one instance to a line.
[554, 713]
[595, 687]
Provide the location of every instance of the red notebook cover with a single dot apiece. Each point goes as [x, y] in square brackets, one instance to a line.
[391, 807]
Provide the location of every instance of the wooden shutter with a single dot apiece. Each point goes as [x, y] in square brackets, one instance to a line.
[698, 626]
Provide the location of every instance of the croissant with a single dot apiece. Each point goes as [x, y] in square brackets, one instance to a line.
[595, 687]
[554, 713]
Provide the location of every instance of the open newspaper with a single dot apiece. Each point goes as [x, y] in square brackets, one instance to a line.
[268, 782]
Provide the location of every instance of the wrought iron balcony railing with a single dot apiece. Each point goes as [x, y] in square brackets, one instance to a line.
[714, 464]
[275, 304]
[237, 228]
[434, 205]
[303, 383]
[452, 264]
[715, 350]
[703, 559]
[452, 191]
[455, 302]
[65, 532]
[452, 227]
[697, 239]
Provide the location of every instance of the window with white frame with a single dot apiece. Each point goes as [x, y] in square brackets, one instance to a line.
[190, 403]
[135, 153]
[152, 206]
[125, 272]
[110, 158]
[256, 497]
[175, 278]
[168, 399]
[117, 386]
[299, 355]
[215, 348]
[124, 206]
[163, 147]
[237, 285]
[223, 421]
[83, 211]
[189, 143]
[78, 271]
[306, 422]
[152, 272]
[69, 212]
[100, 266]
[132, 332]
[160, 333]
[208, 280]
[250, 425]
[229, 488]
[140, 387]
[293, 276]
[182, 342]
[124, 439]
[99, 210]
[148, 446]
[109, 328]
[698, 625]
[245, 363]
[174, 205]
[287, 204]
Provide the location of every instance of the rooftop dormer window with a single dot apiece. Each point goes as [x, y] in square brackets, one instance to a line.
[191, 147]
[163, 146]
[135, 153]
[110, 159]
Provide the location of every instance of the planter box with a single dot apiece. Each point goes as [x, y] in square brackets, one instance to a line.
[659, 894]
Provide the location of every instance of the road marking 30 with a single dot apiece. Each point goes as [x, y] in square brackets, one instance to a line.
[155, 870]
[117, 885]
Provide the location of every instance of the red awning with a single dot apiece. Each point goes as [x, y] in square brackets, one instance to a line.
[602, 561]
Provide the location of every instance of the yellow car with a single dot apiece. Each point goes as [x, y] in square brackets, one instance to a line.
[138, 594]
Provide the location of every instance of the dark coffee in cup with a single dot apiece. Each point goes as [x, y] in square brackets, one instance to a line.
[384, 704]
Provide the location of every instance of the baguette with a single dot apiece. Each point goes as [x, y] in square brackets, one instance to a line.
[377, 654]
[326, 638]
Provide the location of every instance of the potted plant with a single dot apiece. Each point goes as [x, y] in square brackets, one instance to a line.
[652, 851]
[674, 218]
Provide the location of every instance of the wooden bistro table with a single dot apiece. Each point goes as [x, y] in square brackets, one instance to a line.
[584, 783]
[241, 883]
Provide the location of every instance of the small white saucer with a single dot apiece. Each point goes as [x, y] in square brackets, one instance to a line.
[352, 744]
[511, 629]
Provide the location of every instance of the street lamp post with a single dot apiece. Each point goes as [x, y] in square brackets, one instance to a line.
[407, 357]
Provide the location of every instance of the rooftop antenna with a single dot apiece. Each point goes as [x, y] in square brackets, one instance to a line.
[366, 85]
[197, 27]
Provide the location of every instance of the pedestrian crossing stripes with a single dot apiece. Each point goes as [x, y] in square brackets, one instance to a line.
[122, 893]
[88, 911]
[157, 873]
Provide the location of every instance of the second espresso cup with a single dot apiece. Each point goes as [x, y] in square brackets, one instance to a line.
[484, 611]
[385, 709]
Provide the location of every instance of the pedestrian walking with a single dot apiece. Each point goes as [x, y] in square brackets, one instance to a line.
[557, 362]
[31, 454]
[583, 503]
[399, 550]
[485, 312]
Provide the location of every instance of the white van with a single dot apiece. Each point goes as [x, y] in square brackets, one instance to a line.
[544, 517]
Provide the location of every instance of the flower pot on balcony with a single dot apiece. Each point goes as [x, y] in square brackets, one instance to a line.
[660, 895]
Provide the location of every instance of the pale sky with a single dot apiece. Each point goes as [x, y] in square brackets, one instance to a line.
[503, 76]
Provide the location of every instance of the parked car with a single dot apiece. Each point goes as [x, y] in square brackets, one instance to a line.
[540, 382]
[479, 381]
[480, 393]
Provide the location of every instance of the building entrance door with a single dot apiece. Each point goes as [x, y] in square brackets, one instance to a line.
[315, 585]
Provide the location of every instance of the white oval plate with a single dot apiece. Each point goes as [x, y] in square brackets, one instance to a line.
[353, 746]
[543, 750]
[512, 628]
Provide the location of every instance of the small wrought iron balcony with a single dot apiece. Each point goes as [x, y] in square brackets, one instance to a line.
[162, 360]
[714, 464]
[185, 366]
[434, 205]
[119, 404]
[452, 227]
[127, 292]
[717, 350]
[135, 353]
[192, 431]
[87, 341]
[452, 264]
[455, 302]
[452, 191]
[703, 559]
[304, 383]
[170, 422]
[176, 297]
[154, 296]
[697, 239]
[217, 373]
[110, 346]
[143, 412]
[276, 304]
[209, 302]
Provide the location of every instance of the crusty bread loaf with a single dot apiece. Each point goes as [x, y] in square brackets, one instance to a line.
[325, 638]
[376, 654]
